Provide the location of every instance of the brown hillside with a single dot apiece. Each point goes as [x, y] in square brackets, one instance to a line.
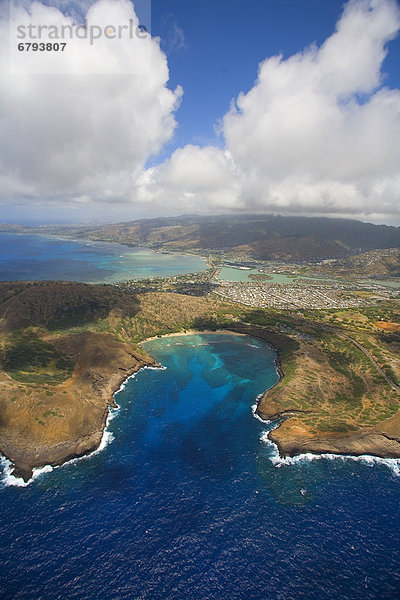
[54, 304]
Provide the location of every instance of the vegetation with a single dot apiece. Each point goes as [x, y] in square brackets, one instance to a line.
[332, 384]
[61, 306]
[165, 313]
[29, 359]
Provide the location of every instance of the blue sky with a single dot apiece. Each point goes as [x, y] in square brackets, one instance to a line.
[207, 120]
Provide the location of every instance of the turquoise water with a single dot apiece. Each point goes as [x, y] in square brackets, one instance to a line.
[232, 274]
[37, 257]
[386, 283]
[189, 502]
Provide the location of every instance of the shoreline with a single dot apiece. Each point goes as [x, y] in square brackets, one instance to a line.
[15, 479]
[367, 443]
[278, 460]
[94, 242]
[288, 449]
[362, 443]
[26, 460]
[192, 332]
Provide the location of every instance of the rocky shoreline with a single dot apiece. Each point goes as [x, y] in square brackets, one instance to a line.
[290, 442]
[88, 380]
[103, 365]
[371, 443]
[25, 461]
[94, 384]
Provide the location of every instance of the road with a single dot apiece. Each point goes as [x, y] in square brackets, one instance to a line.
[367, 354]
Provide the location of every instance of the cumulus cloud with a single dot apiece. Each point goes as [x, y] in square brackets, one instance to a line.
[85, 126]
[72, 8]
[317, 132]
[194, 179]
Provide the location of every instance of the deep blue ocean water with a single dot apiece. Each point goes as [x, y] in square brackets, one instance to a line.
[187, 501]
[37, 257]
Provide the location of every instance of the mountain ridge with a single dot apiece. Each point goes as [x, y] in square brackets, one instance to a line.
[263, 237]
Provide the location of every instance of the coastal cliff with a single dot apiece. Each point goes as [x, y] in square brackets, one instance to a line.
[53, 424]
[319, 412]
[292, 441]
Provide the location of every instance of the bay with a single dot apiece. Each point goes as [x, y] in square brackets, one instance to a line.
[188, 502]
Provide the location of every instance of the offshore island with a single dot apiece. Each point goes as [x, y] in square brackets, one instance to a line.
[329, 309]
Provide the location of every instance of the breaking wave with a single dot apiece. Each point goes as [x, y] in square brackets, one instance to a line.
[278, 461]
[6, 466]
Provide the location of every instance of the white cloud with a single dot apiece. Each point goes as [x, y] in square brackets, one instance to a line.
[193, 179]
[302, 135]
[86, 129]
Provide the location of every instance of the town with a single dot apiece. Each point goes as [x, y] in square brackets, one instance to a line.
[261, 290]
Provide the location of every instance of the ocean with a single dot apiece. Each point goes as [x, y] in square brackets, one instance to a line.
[38, 257]
[188, 501]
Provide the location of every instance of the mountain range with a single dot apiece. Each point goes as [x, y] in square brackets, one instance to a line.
[265, 237]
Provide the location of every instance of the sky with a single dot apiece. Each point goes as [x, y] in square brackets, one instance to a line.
[286, 107]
